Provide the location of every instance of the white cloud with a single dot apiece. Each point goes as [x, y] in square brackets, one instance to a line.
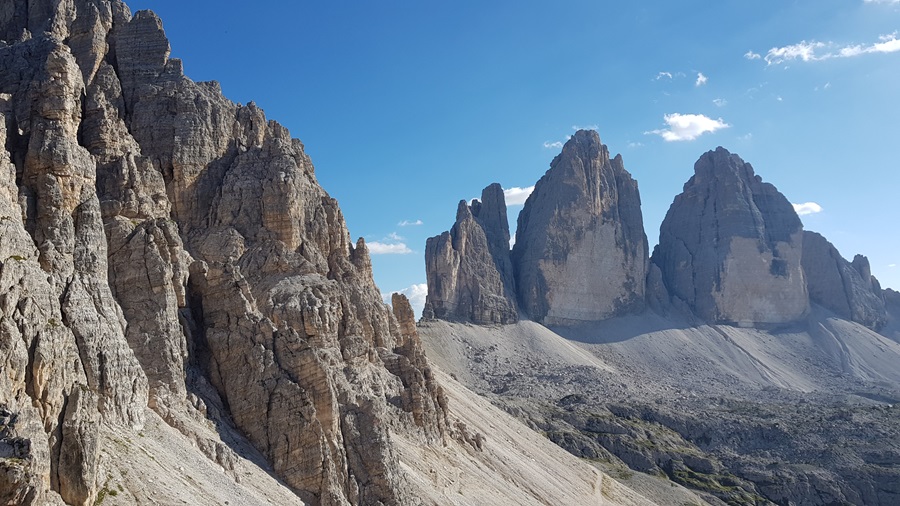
[817, 51]
[553, 145]
[586, 127]
[892, 265]
[407, 223]
[803, 50]
[701, 79]
[750, 55]
[380, 248]
[807, 208]
[663, 75]
[415, 293]
[882, 1]
[515, 196]
[687, 127]
[720, 102]
[634, 145]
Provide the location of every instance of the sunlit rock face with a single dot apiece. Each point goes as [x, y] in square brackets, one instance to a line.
[155, 236]
[581, 252]
[730, 246]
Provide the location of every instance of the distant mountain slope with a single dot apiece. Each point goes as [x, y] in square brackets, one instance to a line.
[807, 414]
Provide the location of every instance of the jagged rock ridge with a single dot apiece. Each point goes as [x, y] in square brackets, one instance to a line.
[730, 247]
[156, 238]
[847, 288]
[470, 276]
[580, 251]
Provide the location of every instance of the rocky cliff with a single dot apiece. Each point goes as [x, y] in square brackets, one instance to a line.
[470, 276]
[730, 247]
[157, 238]
[848, 289]
[580, 251]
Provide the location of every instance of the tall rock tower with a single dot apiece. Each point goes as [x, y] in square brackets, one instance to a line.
[470, 275]
[581, 252]
[730, 246]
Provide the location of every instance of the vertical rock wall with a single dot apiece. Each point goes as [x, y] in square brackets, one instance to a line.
[150, 226]
[580, 251]
[730, 246]
[470, 276]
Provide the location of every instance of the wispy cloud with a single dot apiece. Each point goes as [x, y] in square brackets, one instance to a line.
[663, 75]
[823, 87]
[516, 196]
[720, 102]
[553, 145]
[408, 223]
[381, 248]
[634, 145]
[417, 294]
[818, 51]
[882, 1]
[750, 55]
[687, 127]
[585, 127]
[394, 236]
[807, 208]
[701, 79]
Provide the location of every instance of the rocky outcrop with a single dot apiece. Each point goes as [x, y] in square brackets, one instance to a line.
[470, 276]
[892, 311]
[158, 238]
[848, 289]
[730, 246]
[581, 251]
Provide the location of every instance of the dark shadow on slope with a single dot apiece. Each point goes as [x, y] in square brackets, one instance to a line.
[622, 328]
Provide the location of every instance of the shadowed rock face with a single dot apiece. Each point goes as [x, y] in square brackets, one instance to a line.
[730, 246]
[469, 271]
[848, 289]
[153, 231]
[581, 251]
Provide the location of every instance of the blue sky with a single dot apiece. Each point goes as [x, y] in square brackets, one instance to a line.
[408, 107]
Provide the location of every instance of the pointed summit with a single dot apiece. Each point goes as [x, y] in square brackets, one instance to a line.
[581, 251]
[470, 276]
[730, 246]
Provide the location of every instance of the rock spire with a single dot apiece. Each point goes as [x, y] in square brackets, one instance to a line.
[580, 251]
[730, 246]
[470, 275]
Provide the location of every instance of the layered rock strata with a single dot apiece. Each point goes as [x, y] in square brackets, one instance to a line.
[152, 232]
[470, 276]
[580, 251]
[730, 247]
[847, 288]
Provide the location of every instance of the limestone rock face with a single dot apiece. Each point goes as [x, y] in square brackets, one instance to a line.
[470, 276]
[581, 252]
[730, 246]
[892, 310]
[155, 239]
[847, 288]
